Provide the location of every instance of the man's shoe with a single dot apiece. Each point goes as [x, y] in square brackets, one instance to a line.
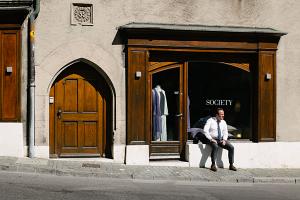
[213, 168]
[233, 168]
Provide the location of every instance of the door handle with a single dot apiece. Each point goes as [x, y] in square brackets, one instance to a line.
[59, 112]
[179, 115]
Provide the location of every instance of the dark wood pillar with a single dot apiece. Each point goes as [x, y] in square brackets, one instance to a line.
[9, 75]
[136, 94]
[266, 96]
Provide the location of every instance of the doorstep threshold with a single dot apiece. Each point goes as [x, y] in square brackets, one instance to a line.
[164, 157]
[82, 159]
[169, 163]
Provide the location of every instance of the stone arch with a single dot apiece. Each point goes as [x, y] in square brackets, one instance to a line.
[68, 53]
[51, 65]
[94, 66]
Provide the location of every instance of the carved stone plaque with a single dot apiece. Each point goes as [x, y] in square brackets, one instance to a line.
[82, 14]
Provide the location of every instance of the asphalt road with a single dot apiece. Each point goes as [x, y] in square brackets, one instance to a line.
[20, 186]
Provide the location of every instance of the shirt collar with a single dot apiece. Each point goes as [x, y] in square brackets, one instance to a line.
[215, 119]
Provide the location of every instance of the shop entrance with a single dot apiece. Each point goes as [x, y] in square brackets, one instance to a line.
[182, 94]
[167, 112]
[80, 112]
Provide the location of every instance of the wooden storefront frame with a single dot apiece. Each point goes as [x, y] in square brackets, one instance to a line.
[259, 46]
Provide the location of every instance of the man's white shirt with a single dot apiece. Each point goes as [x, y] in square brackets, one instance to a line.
[211, 129]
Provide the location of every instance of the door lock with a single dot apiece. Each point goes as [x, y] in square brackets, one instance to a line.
[59, 112]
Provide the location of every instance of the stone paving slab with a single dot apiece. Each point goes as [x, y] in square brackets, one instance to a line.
[274, 180]
[121, 171]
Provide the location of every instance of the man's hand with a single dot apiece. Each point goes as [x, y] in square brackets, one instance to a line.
[223, 142]
[214, 141]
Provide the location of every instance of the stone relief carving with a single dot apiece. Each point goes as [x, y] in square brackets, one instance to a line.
[82, 14]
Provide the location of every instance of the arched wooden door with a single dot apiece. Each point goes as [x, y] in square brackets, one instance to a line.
[78, 110]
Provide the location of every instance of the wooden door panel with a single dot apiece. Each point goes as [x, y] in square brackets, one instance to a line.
[70, 87]
[267, 128]
[10, 79]
[90, 134]
[90, 98]
[72, 116]
[136, 94]
[70, 134]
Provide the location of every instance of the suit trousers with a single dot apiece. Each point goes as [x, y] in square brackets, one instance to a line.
[228, 146]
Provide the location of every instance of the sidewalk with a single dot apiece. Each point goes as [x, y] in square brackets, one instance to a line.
[106, 169]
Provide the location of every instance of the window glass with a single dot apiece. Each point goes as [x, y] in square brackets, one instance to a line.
[213, 85]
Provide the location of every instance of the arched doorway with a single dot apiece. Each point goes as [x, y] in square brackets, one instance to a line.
[80, 113]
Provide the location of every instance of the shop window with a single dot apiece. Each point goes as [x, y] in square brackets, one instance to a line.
[212, 85]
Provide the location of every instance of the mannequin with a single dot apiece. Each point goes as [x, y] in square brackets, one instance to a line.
[160, 112]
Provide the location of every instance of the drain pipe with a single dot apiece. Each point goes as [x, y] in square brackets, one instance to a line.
[31, 78]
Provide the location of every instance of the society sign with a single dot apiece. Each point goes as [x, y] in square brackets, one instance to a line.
[218, 102]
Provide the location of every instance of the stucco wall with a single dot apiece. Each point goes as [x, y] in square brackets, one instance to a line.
[59, 43]
[283, 15]
[24, 77]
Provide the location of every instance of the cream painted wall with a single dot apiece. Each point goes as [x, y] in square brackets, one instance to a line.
[284, 15]
[11, 139]
[24, 77]
[59, 43]
[278, 154]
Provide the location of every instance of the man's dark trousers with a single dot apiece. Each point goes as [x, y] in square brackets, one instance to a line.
[228, 146]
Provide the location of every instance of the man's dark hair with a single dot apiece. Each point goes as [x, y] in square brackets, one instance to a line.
[217, 110]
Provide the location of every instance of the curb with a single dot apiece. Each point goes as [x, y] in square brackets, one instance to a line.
[155, 173]
[133, 176]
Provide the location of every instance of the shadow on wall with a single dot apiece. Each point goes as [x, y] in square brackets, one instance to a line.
[206, 152]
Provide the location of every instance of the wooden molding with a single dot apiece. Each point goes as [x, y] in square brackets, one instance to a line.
[243, 66]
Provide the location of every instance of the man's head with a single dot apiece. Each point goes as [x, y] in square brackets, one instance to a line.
[220, 114]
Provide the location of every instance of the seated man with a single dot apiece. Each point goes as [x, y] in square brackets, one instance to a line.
[216, 134]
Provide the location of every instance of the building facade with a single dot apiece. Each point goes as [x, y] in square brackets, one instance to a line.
[89, 78]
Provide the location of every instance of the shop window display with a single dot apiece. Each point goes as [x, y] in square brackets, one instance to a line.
[212, 85]
[165, 105]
